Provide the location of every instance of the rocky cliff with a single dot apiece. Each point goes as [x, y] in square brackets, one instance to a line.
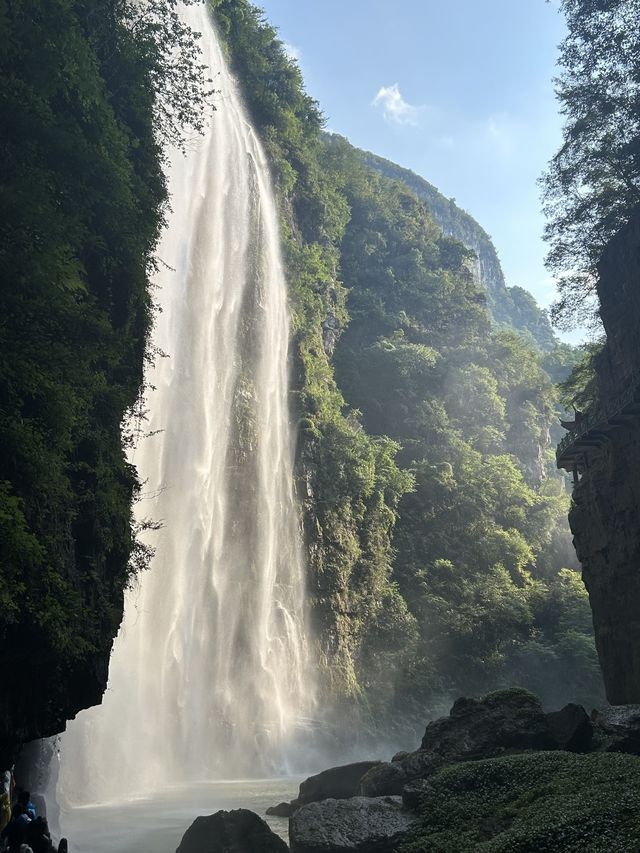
[606, 500]
[512, 306]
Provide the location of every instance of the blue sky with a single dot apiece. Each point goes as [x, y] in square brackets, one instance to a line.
[460, 91]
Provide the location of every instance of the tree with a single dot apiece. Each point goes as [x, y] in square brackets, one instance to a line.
[89, 93]
[592, 185]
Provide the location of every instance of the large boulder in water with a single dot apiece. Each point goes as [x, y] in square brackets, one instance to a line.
[363, 824]
[503, 722]
[237, 831]
[338, 783]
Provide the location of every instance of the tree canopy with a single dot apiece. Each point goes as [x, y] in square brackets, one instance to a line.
[592, 185]
[89, 92]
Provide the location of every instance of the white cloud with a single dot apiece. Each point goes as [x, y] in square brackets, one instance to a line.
[394, 107]
[500, 133]
[292, 51]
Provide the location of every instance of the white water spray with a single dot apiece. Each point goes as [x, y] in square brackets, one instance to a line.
[209, 675]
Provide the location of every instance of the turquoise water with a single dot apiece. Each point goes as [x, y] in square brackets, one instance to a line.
[156, 824]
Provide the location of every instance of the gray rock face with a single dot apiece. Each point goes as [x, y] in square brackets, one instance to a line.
[385, 779]
[508, 720]
[368, 825]
[618, 728]
[283, 809]
[336, 782]
[330, 334]
[502, 722]
[571, 728]
[237, 831]
[400, 755]
[606, 502]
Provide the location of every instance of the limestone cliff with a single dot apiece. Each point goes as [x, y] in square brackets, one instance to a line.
[605, 512]
[512, 306]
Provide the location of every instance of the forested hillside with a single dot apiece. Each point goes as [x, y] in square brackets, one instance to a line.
[512, 306]
[440, 560]
[81, 198]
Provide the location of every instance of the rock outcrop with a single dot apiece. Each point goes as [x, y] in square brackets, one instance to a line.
[237, 831]
[505, 725]
[511, 305]
[606, 501]
[618, 728]
[571, 728]
[504, 722]
[337, 783]
[399, 800]
[283, 809]
[369, 825]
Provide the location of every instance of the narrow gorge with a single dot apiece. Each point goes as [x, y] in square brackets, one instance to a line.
[278, 473]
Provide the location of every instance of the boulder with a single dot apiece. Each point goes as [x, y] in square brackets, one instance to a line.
[503, 722]
[618, 728]
[385, 779]
[237, 831]
[400, 755]
[283, 809]
[365, 824]
[337, 783]
[571, 728]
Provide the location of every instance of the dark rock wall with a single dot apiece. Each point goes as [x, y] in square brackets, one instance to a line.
[605, 514]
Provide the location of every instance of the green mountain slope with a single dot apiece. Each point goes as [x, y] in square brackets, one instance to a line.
[512, 306]
[439, 556]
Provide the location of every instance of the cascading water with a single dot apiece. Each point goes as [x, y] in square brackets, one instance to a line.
[209, 674]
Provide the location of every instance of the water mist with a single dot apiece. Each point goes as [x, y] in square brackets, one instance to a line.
[209, 676]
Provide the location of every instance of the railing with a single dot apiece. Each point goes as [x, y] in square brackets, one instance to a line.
[598, 417]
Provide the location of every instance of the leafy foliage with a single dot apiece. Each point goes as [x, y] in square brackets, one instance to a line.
[580, 388]
[513, 307]
[481, 541]
[451, 585]
[593, 183]
[350, 482]
[81, 201]
[534, 803]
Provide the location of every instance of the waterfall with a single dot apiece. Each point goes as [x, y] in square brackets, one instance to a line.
[209, 676]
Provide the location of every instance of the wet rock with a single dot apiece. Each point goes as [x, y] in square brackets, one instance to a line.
[369, 825]
[503, 722]
[237, 831]
[283, 809]
[336, 782]
[618, 728]
[384, 779]
[400, 755]
[571, 728]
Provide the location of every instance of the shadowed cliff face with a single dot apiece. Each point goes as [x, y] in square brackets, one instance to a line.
[605, 515]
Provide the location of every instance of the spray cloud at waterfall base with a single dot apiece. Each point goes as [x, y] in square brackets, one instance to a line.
[210, 676]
